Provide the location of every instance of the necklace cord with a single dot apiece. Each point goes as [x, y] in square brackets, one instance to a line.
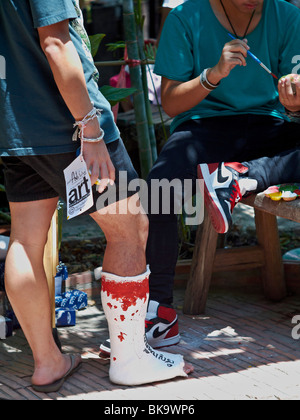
[229, 21]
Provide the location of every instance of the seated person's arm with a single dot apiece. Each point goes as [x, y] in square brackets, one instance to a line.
[178, 97]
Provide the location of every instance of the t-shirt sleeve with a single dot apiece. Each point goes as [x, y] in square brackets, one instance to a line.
[49, 12]
[175, 58]
[289, 59]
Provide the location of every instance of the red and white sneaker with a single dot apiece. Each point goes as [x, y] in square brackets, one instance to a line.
[221, 191]
[161, 327]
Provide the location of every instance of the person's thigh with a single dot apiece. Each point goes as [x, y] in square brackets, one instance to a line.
[207, 140]
[222, 139]
[126, 176]
[24, 182]
[30, 178]
[269, 136]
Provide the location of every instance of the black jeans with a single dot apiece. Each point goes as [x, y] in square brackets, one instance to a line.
[223, 139]
[280, 169]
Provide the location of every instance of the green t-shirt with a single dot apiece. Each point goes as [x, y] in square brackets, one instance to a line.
[193, 40]
[34, 119]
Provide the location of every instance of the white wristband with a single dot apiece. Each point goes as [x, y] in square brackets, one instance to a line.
[94, 140]
[205, 83]
[80, 125]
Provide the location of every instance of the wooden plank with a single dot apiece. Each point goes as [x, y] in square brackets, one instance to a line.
[267, 255]
[286, 209]
[291, 271]
[202, 268]
[244, 258]
[5, 230]
[51, 261]
[273, 270]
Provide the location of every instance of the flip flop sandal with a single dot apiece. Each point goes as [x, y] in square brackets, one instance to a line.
[55, 386]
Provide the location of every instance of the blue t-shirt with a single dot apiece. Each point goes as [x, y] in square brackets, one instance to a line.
[34, 119]
[193, 39]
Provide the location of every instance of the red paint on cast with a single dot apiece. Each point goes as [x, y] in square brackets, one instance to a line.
[126, 292]
[109, 305]
[121, 337]
[122, 318]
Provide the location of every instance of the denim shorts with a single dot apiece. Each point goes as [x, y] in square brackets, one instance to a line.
[33, 178]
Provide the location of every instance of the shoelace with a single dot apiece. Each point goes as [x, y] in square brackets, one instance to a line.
[235, 196]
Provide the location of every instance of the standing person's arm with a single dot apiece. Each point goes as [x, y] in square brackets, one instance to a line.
[68, 73]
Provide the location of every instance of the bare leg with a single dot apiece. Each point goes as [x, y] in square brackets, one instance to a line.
[126, 235]
[27, 287]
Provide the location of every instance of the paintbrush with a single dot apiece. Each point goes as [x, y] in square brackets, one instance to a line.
[257, 60]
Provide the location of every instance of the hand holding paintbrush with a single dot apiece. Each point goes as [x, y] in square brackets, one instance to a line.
[233, 54]
[257, 60]
[288, 86]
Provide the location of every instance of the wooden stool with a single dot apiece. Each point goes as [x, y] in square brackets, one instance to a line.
[51, 260]
[267, 256]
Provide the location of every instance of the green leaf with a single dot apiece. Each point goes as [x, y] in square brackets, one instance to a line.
[95, 42]
[115, 95]
[113, 46]
[288, 187]
[4, 216]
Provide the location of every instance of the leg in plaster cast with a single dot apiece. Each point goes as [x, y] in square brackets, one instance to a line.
[133, 361]
[125, 294]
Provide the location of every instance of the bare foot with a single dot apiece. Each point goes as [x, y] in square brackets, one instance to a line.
[52, 371]
[188, 368]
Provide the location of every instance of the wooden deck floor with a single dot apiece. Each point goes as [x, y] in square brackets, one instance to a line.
[242, 349]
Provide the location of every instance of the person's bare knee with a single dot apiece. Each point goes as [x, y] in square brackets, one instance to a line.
[126, 235]
[31, 222]
[124, 227]
[139, 232]
[121, 224]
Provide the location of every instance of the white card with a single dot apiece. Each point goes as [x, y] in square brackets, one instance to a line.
[78, 188]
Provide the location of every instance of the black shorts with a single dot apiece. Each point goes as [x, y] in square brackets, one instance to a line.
[33, 178]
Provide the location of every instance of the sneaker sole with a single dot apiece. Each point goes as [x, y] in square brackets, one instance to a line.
[166, 342]
[104, 355]
[104, 349]
[215, 210]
